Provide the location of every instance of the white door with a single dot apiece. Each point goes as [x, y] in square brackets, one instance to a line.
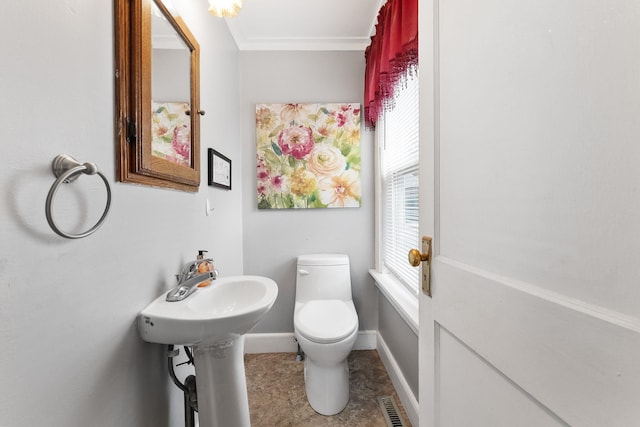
[530, 181]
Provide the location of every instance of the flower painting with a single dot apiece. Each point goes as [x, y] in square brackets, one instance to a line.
[171, 132]
[308, 155]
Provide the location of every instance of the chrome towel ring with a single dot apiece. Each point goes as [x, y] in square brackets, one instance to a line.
[67, 169]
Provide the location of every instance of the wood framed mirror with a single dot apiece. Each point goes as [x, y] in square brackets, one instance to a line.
[157, 96]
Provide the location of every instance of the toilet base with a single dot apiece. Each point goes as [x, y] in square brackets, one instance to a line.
[327, 387]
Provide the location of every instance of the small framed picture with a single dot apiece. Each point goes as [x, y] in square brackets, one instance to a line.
[219, 170]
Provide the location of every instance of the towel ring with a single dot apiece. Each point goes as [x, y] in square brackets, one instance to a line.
[67, 169]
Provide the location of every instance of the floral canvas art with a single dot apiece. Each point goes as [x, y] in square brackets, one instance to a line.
[308, 155]
[171, 132]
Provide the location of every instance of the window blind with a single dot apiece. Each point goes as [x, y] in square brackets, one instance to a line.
[399, 168]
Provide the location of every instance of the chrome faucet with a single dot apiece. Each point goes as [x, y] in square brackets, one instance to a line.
[189, 279]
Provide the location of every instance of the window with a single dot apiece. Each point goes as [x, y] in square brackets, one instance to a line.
[398, 148]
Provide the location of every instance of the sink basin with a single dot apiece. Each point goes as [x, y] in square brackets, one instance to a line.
[213, 321]
[224, 310]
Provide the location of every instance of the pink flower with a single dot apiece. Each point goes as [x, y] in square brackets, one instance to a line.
[342, 119]
[263, 169]
[277, 181]
[296, 141]
[181, 141]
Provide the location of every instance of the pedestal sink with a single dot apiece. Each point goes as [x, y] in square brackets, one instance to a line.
[213, 320]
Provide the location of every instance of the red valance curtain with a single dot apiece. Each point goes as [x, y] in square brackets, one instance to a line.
[392, 53]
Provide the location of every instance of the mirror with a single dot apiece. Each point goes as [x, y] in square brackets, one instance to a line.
[157, 96]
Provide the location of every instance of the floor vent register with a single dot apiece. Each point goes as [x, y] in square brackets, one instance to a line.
[390, 411]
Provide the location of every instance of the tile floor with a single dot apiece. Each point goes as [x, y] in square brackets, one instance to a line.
[277, 398]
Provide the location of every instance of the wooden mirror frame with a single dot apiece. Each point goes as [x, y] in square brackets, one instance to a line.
[133, 68]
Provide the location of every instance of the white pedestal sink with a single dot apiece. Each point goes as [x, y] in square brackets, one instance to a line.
[213, 320]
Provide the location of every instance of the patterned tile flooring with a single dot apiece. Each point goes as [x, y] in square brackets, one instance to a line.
[277, 397]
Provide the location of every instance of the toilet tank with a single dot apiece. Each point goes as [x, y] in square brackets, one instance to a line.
[323, 276]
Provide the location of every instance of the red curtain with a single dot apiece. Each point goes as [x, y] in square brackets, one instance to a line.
[392, 53]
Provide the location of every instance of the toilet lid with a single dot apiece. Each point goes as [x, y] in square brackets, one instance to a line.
[326, 321]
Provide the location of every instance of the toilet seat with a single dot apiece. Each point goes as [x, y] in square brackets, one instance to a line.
[326, 321]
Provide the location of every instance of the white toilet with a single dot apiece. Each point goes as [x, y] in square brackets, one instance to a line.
[326, 326]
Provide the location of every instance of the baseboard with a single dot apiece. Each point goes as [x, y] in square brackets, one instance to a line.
[270, 343]
[285, 342]
[367, 340]
[401, 385]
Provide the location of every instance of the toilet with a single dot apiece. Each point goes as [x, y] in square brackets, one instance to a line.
[326, 326]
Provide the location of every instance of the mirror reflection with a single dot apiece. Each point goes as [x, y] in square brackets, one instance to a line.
[170, 92]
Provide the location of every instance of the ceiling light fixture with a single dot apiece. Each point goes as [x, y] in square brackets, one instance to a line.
[225, 8]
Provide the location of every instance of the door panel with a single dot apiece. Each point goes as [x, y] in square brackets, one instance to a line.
[569, 356]
[460, 404]
[539, 144]
[530, 186]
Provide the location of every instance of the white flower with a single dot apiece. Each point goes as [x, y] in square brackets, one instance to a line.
[341, 191]
[326, 160]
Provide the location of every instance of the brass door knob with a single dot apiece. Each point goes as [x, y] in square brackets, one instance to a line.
[415, 257]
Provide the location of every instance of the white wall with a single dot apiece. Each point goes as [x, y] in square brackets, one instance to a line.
[274, 238]
[71, 355]
[401, 341]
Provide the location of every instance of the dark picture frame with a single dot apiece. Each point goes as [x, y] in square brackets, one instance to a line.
[219, 169]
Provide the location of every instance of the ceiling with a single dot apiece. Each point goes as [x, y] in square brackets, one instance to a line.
[304, 24]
